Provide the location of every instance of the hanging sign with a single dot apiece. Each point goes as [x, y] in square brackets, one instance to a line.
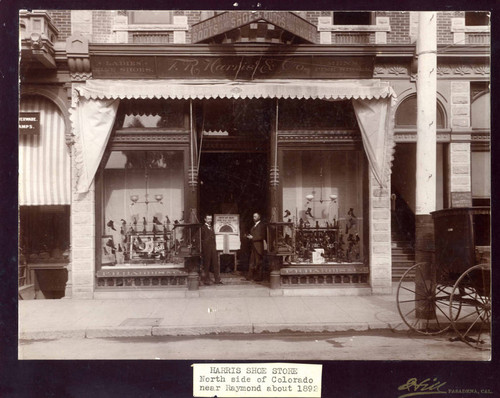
[228, 21]
[29, 123]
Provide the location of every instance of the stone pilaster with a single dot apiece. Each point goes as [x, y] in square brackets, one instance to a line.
[83, 239]
[81, 22]
[458, 29]
[380, 237]
[460, 147]
[120, 35]
[460, 104]
[180, 35]
[381, 37]
[325, 37]
[83, 244]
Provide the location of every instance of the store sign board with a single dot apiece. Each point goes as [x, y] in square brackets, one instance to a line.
[226, 22]
[337, 269]
[227, 224]
[233, 67]
[29, 123]
[119, 67]
[135, 272]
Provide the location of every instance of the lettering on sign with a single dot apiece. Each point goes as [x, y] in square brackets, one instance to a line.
[109, 67]
[233, 67]
[329, 270]
[137, 272]
[225, 22]
[29, 123]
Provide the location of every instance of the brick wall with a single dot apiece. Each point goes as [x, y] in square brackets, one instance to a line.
[399, 22]
[192, 17]
[444, 34]
[102, 23]
[400, 27]
[62, 20]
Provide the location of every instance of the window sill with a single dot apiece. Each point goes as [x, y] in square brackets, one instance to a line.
[471, 29]
[354, 28]
[151, 28]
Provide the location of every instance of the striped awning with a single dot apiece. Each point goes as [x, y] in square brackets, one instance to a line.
[44, 161]
[97, 104]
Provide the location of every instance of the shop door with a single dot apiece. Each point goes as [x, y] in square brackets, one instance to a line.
[235, 183]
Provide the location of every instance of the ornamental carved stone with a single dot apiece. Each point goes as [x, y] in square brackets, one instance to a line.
[77, 49]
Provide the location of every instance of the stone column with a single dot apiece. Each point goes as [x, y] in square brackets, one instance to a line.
[425, 195]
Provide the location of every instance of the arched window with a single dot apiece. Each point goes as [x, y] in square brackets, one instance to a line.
[406, 114]
[481, 157]
[480, 112]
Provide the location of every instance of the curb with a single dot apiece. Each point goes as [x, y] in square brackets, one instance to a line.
[203, 330]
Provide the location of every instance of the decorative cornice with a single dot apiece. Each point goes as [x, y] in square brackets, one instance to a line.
[444, 70]
[391, 70]
[319, 136]
[468, 70]
[171, 138]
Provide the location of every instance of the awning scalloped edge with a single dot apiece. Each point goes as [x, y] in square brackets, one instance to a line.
[162, 89]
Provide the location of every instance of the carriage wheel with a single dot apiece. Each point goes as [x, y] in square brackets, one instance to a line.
[472, 290]
[422, 303]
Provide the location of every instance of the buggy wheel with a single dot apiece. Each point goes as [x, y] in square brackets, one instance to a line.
[473, 323]
[423, 303]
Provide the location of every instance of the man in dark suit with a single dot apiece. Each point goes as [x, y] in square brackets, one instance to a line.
[209, 252]
[257, 235]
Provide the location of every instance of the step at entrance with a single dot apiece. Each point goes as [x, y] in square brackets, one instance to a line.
[403, 257]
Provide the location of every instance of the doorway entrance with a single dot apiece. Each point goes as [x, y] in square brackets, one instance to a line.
[235, 183]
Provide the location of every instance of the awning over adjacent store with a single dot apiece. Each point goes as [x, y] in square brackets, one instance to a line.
[44, 162]
[98, 100]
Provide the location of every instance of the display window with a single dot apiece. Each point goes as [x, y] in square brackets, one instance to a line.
[44, 234]
[142, 208]
[323, 198]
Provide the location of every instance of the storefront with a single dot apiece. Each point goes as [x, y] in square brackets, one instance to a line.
[44, 198]
[313, 156]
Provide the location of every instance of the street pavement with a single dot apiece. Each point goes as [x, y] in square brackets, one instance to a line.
[214, 310]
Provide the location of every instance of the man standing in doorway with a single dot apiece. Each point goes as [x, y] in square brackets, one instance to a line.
[209, 252]
[257, 235]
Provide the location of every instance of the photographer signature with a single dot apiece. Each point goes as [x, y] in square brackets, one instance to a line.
[425, 387]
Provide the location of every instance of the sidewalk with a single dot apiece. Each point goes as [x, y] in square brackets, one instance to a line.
[218, 309]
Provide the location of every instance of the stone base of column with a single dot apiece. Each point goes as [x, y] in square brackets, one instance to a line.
[424, 253]
[274, 279]
[193, 281]
[424, 238]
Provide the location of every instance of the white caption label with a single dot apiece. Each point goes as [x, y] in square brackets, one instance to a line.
[256, 380]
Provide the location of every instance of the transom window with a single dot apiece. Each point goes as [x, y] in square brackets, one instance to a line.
[406, 115]
[352, 18]
[151, 114]
[477, 18]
